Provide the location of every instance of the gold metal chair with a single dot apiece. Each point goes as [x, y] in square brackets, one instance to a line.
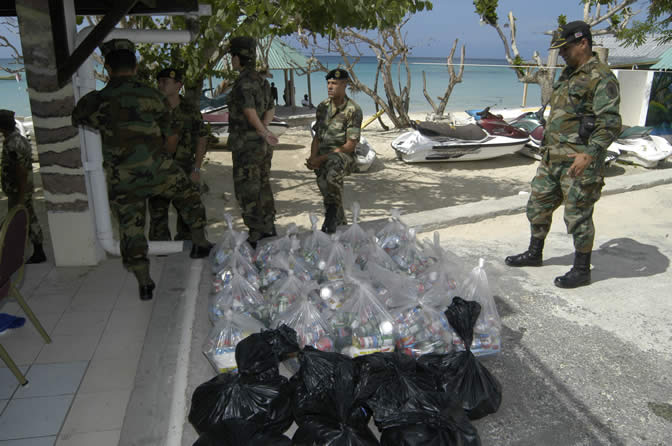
[13, 239]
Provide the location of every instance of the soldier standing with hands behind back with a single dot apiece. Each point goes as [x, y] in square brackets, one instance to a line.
[332, 153]
[251, 110]
[138, 147]
[584, 121]
[189, 154]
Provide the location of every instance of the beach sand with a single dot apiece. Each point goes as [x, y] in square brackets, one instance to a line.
[389, 183]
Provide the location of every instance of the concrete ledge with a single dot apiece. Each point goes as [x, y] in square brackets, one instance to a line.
[427, 221]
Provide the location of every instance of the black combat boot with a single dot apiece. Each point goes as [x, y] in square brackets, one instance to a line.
[147, 291]
[38, 254]
[579, 275]
[145, 283]
[531, 257]
[330, 219]
[201, 246]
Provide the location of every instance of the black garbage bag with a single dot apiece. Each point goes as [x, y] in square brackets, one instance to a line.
[261, 353]
[461, 372]
[257, 393]
[428, 419]
[388, 380]
[326, 406]
[240, 433]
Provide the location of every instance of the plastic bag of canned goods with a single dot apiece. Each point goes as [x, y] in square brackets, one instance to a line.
[393, 233]
[339, 261]
[488, 328]
[316, 246]
[242, 297]
[311, 329]
[421, 329]
[408, 256]
[239, 266]
[280, 246]
[354, 236]
[220, 346]
[231, 242]
[363, 325]
[372, 254]
[461, 372]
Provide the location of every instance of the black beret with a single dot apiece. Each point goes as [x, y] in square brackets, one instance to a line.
[570, 32]
[116, 45]
[172, 73]
[243, 46]
[338, 73]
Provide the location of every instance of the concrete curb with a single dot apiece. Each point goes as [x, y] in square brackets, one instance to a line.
[427, 221]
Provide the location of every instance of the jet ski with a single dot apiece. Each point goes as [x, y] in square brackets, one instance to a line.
[636, 145]
[219, 124]
[364, 153]
[490, 137]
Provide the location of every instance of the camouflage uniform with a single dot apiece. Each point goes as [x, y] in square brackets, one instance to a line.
[333, 127]
[251, 154]
[590, 89]
[133, 120]
[188, 122]
[16, 150]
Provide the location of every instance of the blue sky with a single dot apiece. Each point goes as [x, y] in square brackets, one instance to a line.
[432, 33]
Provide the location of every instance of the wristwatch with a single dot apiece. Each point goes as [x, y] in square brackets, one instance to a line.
[197, 169]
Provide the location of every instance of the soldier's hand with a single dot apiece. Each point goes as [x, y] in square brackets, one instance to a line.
[581, 161]
[270, 138]
[195, 177]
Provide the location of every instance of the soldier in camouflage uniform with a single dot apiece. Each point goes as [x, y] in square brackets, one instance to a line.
[191, 148]
[584, 121]
[17, 178]
[138, 146]
[332, 153]
[251, 110]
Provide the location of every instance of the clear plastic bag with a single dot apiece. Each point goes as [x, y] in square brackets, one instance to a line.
[372, 253]
[317, 245]
[339, 261]
[239, 265]
[284, 292]
[281, 246]
[392, 286]
[408, 256]
[220, 346]
[240, 296]
[439, 282]
[393, 233]
[363, 325]
[487, 331]
[354, 236]
[220, 256]
[421, 329]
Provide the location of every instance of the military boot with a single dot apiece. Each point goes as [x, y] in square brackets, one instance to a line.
[579, 275]
[38, 254]
[531, 257]
[330, 219]
[201, 246]
[145, 283]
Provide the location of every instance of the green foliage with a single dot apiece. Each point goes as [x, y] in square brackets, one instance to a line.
[487, 10]
[519, 61]
[562, 20]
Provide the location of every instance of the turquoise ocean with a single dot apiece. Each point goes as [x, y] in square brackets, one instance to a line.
[486, 82]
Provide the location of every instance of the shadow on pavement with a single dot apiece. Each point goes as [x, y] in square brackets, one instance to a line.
[622, 258]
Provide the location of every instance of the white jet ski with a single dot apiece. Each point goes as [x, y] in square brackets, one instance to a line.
[646, 151]
[490, 137]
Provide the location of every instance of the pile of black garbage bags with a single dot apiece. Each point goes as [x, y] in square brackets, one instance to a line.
[332, 398]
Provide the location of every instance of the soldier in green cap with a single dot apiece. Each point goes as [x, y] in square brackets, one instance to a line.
[584, 121]
[191, 148]
[332, 153]
[17, 178]
[139, 142]
[251, 110]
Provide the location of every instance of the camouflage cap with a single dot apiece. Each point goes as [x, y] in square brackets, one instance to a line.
[172, 73]
[570, 32]
[339, 74]
[116, 45]
[243, 46]
[7, 119]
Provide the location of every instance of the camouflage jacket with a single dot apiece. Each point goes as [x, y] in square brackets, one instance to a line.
[188, 122]
[16, 150]
[251, 90]
[592, 90]
[334, 125]
[133, 120]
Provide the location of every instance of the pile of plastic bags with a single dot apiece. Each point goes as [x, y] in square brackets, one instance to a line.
[378, 327]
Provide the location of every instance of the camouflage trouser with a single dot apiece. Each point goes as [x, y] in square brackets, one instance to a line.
[158, 215]
[330, 177]
[251, 181]
[35, 232]
[550, 187]
[129, 205]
